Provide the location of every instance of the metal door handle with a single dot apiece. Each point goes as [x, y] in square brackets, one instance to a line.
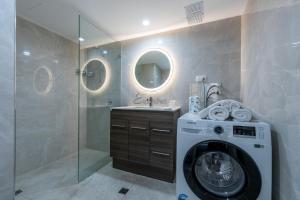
[161, 154]
[139, 128]
[118, 126]
[161, 130]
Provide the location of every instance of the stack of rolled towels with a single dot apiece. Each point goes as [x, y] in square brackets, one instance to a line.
[225, 109]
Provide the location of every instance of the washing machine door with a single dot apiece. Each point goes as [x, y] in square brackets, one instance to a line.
[217, 170]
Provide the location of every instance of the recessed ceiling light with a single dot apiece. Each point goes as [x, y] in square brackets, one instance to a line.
[104, 52]
[26, 53]
[159, 42]
[81, 39]
[146, 22]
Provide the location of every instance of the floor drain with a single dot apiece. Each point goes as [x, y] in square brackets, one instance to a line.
[18, 192]
[123, 191]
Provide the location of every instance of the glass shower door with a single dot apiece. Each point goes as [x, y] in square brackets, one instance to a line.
[97, 93]
[46, 111]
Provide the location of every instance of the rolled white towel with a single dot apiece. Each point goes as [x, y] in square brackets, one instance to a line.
[235, 105]
[203, 114]
[242, 115]
[230, 105]
[227, 103]
[218, 113]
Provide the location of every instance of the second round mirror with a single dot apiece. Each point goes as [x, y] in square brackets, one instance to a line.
[94, 75]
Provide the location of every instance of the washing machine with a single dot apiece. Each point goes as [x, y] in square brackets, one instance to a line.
[223, 160]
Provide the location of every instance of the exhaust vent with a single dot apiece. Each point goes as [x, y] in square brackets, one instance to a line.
[194, 12]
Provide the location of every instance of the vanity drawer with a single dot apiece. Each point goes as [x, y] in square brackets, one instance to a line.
[162, 160]
[162, 126]
[162, 140]
[139, 141]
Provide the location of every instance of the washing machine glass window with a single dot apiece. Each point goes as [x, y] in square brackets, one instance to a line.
[218, 170]
[219, 173]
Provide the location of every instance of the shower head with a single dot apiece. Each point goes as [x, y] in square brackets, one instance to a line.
[194, 12]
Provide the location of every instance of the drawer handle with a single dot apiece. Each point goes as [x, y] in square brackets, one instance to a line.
[161, 154]
[161, 130]
[118, 126]
[139, 128]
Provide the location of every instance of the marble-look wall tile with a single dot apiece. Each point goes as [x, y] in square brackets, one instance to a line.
[271, 80]
[7, 72]
[98, 128]
[46, 97]
[211, 49]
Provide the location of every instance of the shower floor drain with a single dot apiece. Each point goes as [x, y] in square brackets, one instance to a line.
[18, 192]
[123, 191]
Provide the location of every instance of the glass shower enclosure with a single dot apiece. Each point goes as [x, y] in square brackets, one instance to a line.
[46, 111]
[64, 91]
[99, 90]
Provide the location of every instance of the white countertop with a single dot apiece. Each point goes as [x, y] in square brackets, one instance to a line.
[147, 108]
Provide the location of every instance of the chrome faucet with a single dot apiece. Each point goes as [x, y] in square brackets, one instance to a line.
[150, 101]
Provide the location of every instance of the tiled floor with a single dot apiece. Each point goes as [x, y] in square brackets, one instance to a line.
[105, 185]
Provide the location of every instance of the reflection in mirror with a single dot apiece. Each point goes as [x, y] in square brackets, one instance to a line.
[152, 69]
[94, 75]
[42, 80]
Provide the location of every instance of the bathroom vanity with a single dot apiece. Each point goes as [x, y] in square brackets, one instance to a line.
[143, 140]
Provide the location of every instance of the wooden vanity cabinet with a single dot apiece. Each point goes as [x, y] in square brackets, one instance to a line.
[144, 142]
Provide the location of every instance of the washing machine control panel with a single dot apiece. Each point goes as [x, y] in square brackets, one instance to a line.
[247, 131]
[252, 131]
[219, 129]
[236, 130]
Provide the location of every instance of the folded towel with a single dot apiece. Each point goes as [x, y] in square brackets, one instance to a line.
[228, 104]
[218, 113]
[203, 114]
[242, 115]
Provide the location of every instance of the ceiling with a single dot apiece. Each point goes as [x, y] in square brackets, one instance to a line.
[107, 20]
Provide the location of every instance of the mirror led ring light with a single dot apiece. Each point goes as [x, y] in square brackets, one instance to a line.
[50, 80]
[107, 76]
[166, 81]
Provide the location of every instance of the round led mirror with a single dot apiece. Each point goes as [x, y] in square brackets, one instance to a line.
[153, 69]
[94, 75]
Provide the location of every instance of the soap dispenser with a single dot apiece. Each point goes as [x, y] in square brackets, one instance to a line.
[197, 94]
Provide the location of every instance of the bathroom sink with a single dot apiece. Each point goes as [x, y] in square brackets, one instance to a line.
[152, 108]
